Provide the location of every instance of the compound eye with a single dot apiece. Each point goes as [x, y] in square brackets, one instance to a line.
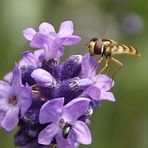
[99, 44]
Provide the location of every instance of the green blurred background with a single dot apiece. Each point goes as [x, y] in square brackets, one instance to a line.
[123, 124]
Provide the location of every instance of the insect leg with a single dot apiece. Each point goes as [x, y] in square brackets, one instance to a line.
[116, 71]
[105, 67]
[100, 60]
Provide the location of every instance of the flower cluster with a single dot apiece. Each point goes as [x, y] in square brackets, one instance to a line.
[49, 100]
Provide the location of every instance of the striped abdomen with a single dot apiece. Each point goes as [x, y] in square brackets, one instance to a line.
[123, 49]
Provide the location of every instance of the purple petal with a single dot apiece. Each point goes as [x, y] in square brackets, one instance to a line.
[16, 79]
[57, 43]
[71, 40]
[93, 92]
[103, 82]
[39, 40]
[66, 29]
[89, 66]
[23, 93]
[25, 100]
[53, 36]
[76, 145]
[4, 105]
[69, 142]
[29, 33]
[82, 133]
[75, 108]
[5, 89]
[39, 54]
[51, 110]
[8, 77]
[29, 59]
[107, 96]
[46, 136]
[11, 119]
[60, 52]
[56, 50]
[32, 59]
[49, 52]
[46, 28]
[43, 78]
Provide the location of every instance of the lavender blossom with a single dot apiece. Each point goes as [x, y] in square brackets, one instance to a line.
[101, 83]
[31, 59]
[14, 99]
[52, 42]
[52, 101]
[63, 118]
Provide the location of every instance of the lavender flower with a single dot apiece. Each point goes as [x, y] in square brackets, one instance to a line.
[63, 122]
[31, 59]
[14, 99]
[101, 83]
[52, 101]
[52, 42]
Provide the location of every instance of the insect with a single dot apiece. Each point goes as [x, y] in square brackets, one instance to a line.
[66, 130]
[107, 49]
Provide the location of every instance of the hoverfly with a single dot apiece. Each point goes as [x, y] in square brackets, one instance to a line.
[107, 49]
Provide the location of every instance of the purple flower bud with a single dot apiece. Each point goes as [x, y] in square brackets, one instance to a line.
[43, 78]
[71, 67]
[53, 66]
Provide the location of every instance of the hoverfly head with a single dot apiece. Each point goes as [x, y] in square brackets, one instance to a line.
[95, 46]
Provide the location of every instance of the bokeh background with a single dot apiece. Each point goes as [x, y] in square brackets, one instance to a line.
[123, 124]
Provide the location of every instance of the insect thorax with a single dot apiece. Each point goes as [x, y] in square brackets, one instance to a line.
[106, 50]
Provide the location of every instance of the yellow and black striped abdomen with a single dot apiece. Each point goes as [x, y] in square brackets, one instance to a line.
[123, 49]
